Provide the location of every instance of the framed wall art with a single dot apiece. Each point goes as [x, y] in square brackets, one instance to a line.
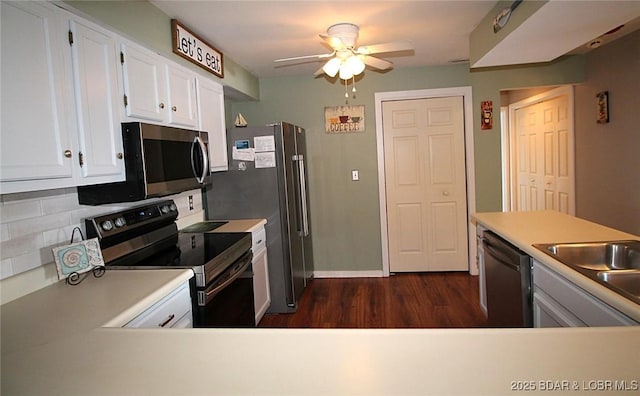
[344, 119]
[602, 107]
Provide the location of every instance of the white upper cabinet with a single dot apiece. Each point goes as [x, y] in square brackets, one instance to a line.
[60, 123]
[156, 89]
[144, 87]
[181, 89]
[37, 112]
[211, 120]
[96, 77]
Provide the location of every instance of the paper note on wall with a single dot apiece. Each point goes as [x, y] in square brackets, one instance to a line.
[265, 160]
[264, 143]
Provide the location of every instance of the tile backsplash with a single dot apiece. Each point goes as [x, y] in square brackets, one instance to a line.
[32, 223]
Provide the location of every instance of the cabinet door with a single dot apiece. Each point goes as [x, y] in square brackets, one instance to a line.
[261, 291]
[182, 96]
[37, 106]
[211, 120]
[144, 87]
[95, 67]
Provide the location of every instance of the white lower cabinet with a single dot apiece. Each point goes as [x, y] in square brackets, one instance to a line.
[172, 311]
[557, 302]
[261, 291]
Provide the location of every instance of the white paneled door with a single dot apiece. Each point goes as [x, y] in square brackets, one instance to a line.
[544, 160]
[425, 184]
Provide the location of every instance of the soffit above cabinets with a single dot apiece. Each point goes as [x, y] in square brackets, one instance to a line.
[558, 28]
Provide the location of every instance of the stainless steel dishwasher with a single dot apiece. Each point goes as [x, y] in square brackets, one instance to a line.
[508, 277]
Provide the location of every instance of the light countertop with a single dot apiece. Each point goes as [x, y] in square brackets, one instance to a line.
[241, 225]
[523, 229]
[54, 343]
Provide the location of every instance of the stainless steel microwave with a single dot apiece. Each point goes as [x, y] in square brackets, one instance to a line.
[159, 160]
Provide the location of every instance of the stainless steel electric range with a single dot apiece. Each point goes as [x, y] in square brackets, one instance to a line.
[147, 237]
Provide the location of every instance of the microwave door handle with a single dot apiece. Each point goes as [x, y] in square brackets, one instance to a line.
[303, 195]
[205, 159]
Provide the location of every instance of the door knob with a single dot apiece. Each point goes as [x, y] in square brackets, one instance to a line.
[119, 155]
[67, 153]
[174, 108]
[161, 105]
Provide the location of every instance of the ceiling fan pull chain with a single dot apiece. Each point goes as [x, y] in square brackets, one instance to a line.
[354, 85]
[346, 87]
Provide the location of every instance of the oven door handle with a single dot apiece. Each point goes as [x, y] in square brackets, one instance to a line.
[235, 272]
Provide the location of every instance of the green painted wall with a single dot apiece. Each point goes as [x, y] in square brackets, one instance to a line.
[345, 214]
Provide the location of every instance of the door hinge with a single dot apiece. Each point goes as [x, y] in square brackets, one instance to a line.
[122, 57]
[70, 37]
[81, 158]
[126, 101]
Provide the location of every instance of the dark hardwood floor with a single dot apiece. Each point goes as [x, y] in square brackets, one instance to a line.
[407, 300]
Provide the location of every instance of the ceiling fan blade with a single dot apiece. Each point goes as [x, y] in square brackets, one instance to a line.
[377, 63]
[385, 47]
[318, 56]
[334, 42]
[319, 72]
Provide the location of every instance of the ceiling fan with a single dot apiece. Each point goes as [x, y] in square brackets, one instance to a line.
[346, 59]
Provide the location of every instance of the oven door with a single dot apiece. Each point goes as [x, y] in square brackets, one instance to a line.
[228, 300]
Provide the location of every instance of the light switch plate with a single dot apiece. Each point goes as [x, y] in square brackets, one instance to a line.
[355, 175]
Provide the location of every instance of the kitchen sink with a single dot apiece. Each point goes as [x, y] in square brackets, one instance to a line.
[625, 280]
[613, 264]
[598, 256]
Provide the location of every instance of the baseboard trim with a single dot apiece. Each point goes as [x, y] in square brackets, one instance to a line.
[348, 274]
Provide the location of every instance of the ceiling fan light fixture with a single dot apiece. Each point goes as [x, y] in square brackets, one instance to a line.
[332, 67]
[345, 72]
[356, 65]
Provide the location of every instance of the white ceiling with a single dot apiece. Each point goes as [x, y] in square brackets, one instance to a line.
[254, 33]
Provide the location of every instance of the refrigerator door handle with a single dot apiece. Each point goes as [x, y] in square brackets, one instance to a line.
[303, 193]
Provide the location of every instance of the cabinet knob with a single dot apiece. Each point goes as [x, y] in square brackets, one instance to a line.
[119, 155]
[67, 153]
[174, 108]
[445, 193]
[161, 105]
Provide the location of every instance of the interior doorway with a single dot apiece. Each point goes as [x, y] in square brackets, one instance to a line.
[469, 229]
[539, 164]
[425, 179]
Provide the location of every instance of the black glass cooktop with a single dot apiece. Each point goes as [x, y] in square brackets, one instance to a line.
[204, 226]
[189, 250]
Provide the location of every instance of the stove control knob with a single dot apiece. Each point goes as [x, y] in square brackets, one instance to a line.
[164, 209]
[173, 207]
[107, 225]
[120, 222]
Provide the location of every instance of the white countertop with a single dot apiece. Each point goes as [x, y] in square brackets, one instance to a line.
[53, 343]
[241, 225]
[524, 229]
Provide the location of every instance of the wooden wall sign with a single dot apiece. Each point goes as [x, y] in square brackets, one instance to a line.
[191, 47]
[344, 119]
[486, 115]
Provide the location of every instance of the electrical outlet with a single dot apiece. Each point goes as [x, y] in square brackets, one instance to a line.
[355, 175]
[190, 202]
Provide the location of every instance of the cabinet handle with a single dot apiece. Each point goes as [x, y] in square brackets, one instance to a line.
[161, 105]
[67, 153]
[119, 155]
[169, 319]
[174, 108]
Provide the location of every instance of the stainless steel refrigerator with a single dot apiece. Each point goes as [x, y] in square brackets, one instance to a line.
[267, 179]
